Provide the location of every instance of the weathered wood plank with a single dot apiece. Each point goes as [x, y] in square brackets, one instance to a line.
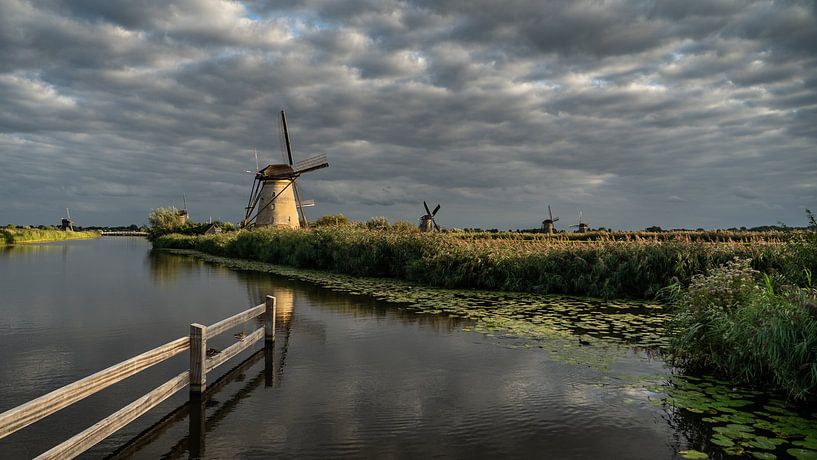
[240, 318]
[198, 358]
[269, 319]
[83, 441]
[37, 409]
[235, 349]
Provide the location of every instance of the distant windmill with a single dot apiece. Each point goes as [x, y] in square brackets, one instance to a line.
[547, 224]
[67, 223]
[183, 214]
[427, 222]
[581, 227]
[274, 196]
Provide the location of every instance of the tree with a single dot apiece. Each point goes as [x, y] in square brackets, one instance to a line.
[164, 218]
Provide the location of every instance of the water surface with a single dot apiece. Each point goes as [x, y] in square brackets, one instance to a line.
[350, 376]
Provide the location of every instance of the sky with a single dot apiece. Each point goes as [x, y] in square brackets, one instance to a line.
[694, 113]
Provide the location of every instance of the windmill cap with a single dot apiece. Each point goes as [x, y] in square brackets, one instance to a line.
[277, 171]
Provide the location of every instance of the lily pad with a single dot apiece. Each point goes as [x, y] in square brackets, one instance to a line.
[802, 454]
[764, 455]
[693, 454]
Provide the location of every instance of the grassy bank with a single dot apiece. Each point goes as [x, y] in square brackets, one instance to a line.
[33, 235]
[742, 325]
[609, 269]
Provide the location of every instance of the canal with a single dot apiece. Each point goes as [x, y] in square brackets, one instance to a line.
[351, 376]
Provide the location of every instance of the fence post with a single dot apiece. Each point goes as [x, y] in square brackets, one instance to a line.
[269, 320]
[198, 359]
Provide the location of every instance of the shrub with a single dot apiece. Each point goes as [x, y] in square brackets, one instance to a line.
[732, 324]
[164, 219]
[330, 220]
[377, 223]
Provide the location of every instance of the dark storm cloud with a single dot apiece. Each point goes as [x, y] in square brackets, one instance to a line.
[695, 113]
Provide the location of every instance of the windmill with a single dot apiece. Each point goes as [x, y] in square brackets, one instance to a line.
[274, 195]
[547, 224]
[427, 222]
[67, 223]
[183, 214]
[581, 227]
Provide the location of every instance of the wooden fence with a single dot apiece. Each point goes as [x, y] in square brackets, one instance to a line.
[196, 377]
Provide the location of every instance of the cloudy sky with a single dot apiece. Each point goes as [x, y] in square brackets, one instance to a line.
[694, 113]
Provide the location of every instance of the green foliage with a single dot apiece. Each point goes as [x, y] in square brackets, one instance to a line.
[331, 220]
[749, 328]
[610, 269]
[12, 235]
[403, 226]
[164, 219]
[377, 223]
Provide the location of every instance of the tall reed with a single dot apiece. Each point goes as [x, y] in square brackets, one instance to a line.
[635, 269]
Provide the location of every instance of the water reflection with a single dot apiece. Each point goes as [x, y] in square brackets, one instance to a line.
[196, 411]
[350, 375]
[166, 268]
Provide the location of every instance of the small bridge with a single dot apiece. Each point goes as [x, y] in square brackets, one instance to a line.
[195, 377]
[125, 233]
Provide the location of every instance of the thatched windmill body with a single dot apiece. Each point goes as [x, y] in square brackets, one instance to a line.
[274, 196]
[427, 222]
[66, 223]
[547, 224]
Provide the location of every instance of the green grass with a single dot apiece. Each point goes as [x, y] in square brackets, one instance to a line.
[33, 235]
[608, 269]
[743, 325]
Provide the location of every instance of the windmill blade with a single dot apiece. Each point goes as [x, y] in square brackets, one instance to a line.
[434, 212]
[307, 204]
[286, 136]
[68, 213]
[427, 210]
[310, 164]
[550, 214]
[554, 220]
[437, 227]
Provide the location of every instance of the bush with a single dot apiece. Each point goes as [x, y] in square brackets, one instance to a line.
[377, 223]
[331, 220]
[164, 219]
[738, 324]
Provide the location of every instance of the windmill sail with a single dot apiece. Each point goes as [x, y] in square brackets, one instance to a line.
[311, 164]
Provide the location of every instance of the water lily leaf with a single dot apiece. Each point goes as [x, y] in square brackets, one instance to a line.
[762, 442]
[722, 441]
[693, 454]
[808, 443]
[764, 455]
[802, 454]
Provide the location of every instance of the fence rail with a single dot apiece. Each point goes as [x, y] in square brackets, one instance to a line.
[39, 408]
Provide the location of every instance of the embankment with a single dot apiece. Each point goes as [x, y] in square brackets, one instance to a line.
[609, 269]
[33, 235]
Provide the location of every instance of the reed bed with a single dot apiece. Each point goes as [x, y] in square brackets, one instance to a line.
[598, 268]
[34, 235]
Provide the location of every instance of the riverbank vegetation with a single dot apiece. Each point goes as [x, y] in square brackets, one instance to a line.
[14, 235]
[749, 327]
[165, 221]
[602, 268]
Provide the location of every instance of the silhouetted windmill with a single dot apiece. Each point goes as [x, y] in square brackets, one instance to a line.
[547, 224]
[581, 227]
[67, 224]
[427, 222]
[274, 197]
